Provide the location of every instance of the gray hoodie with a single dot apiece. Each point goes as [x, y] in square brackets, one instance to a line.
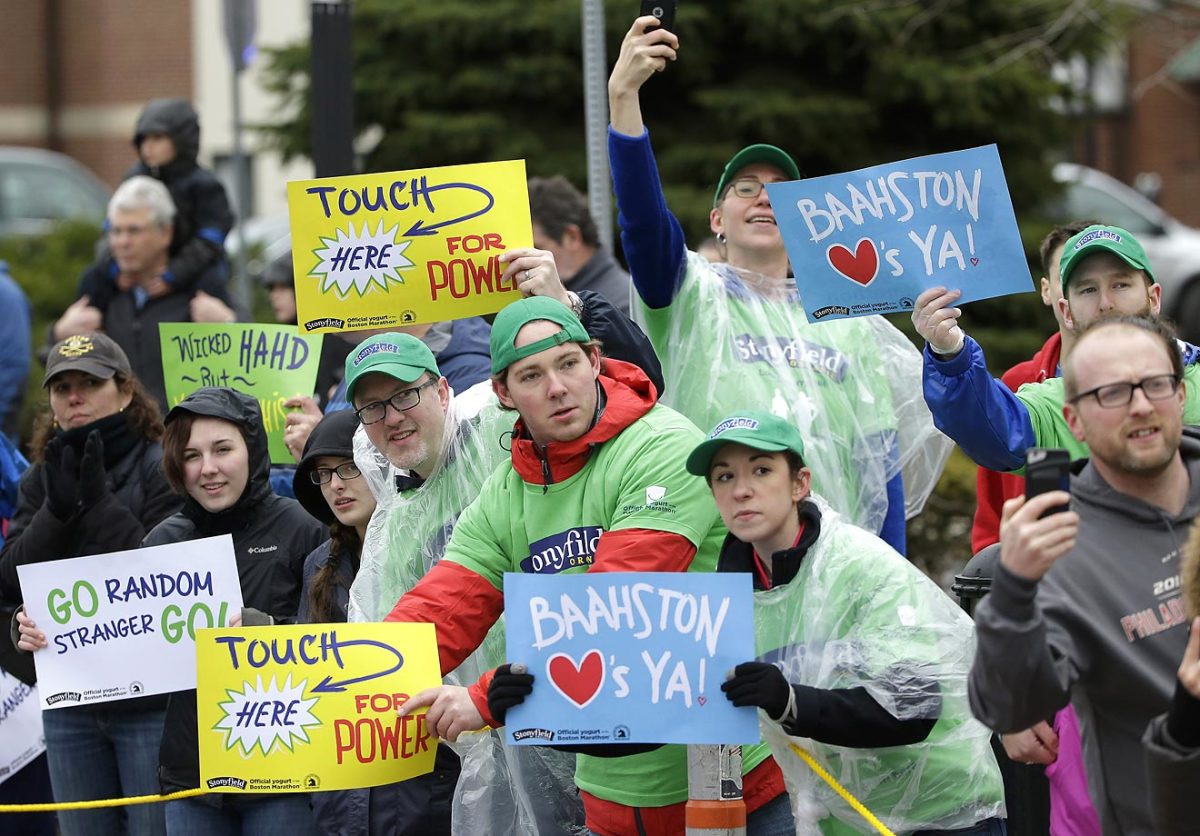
[1105, 629]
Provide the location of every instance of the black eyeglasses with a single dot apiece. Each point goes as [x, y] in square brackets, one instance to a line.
[1156, 388]
[402, 401]
[345, 472]
[746, 188]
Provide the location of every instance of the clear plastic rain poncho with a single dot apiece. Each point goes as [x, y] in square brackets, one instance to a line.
[518, 790]
[858, 615]
[733, 339]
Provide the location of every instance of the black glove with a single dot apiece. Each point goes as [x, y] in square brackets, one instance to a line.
[510, 686]
[93, 479]
[761, 685]
[60, 479]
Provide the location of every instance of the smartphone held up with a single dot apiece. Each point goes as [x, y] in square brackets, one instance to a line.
[664, 10]
[1047, 469]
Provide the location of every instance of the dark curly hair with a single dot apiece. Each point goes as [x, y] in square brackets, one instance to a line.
[143, 416]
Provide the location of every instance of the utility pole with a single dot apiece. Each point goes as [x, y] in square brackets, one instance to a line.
[595, 108]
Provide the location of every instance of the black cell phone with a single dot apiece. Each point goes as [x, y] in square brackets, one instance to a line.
[1047, 469]
[664, 10]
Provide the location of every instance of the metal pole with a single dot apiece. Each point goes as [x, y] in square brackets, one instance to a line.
[241, 286]
[332, 89]
[595, 108]
[715, 806]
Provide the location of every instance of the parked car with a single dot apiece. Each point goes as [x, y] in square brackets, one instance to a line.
[1172, 246]
[39, 188]
[267, 238]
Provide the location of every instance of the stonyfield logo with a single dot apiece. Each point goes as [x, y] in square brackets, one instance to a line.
[236, 783]
[64, 696]
[792, 352]
[828, 310]
[568, 549]
[327, 322]
[733, 424]
[534, 734]
[1095, 235]
[375, 348]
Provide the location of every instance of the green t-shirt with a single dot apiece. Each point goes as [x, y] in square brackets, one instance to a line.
[857, 614]
[1044, 401]
[635, 480]
[735, 340]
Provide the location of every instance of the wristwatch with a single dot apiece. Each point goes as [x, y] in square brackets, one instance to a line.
[576, 304]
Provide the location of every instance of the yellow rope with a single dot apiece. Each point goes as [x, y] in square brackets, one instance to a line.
[153, 799]
[105, 802]
[840, 790]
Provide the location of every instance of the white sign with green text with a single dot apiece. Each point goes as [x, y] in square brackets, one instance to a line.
[124, 624]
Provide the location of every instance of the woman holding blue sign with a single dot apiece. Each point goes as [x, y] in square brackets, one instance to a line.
[851, 385]
[96, 486]
[858, 651]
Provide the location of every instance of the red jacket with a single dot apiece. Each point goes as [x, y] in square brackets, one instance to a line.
[464, 605]
[993, 488]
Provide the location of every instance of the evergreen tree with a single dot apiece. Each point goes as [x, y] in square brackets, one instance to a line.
[839, 83]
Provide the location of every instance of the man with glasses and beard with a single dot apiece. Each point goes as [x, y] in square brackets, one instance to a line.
[1085, 604]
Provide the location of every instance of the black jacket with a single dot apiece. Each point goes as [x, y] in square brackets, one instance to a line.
[271, 538]
[203, 217]
[135, 328]
[138, 499]
[620, 337]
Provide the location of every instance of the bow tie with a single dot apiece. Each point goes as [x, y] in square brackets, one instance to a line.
[408, 483]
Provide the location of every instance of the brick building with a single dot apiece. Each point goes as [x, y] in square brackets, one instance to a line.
[76, 73]
[1154, 127]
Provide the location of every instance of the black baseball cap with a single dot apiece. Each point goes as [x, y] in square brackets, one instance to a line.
[94, 354]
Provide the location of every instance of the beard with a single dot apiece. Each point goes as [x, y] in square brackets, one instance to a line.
[1145, 464]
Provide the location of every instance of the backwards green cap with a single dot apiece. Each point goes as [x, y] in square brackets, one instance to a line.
[402, 356]
[1097, 238]
[750, 155]
[760, 430]
[519, 314]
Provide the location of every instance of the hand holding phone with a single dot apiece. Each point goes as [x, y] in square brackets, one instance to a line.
[1047, 469]
[664, 10]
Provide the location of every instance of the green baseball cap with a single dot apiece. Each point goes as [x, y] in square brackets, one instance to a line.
[751, 154]
[519, 314]
[1098, 238]
[760, 430]
[402, 356]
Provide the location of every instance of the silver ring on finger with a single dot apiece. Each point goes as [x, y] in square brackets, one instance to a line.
[527, 275]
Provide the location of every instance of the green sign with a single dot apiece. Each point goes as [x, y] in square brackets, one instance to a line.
[268, 362]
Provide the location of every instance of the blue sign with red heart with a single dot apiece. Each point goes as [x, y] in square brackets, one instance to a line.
[869, 241]
[629, 657]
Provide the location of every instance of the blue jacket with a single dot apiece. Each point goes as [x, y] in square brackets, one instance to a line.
[16, 348]
[982, 415]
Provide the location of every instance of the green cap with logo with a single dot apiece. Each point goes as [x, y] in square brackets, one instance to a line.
[1098, 238]
[760, 430]
[519, 314]
[401, 356]
[751, 154]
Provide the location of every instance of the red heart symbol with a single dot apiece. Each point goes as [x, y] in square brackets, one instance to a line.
[974, 262]
[860, 267]
[702, 699]
[578, 683]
